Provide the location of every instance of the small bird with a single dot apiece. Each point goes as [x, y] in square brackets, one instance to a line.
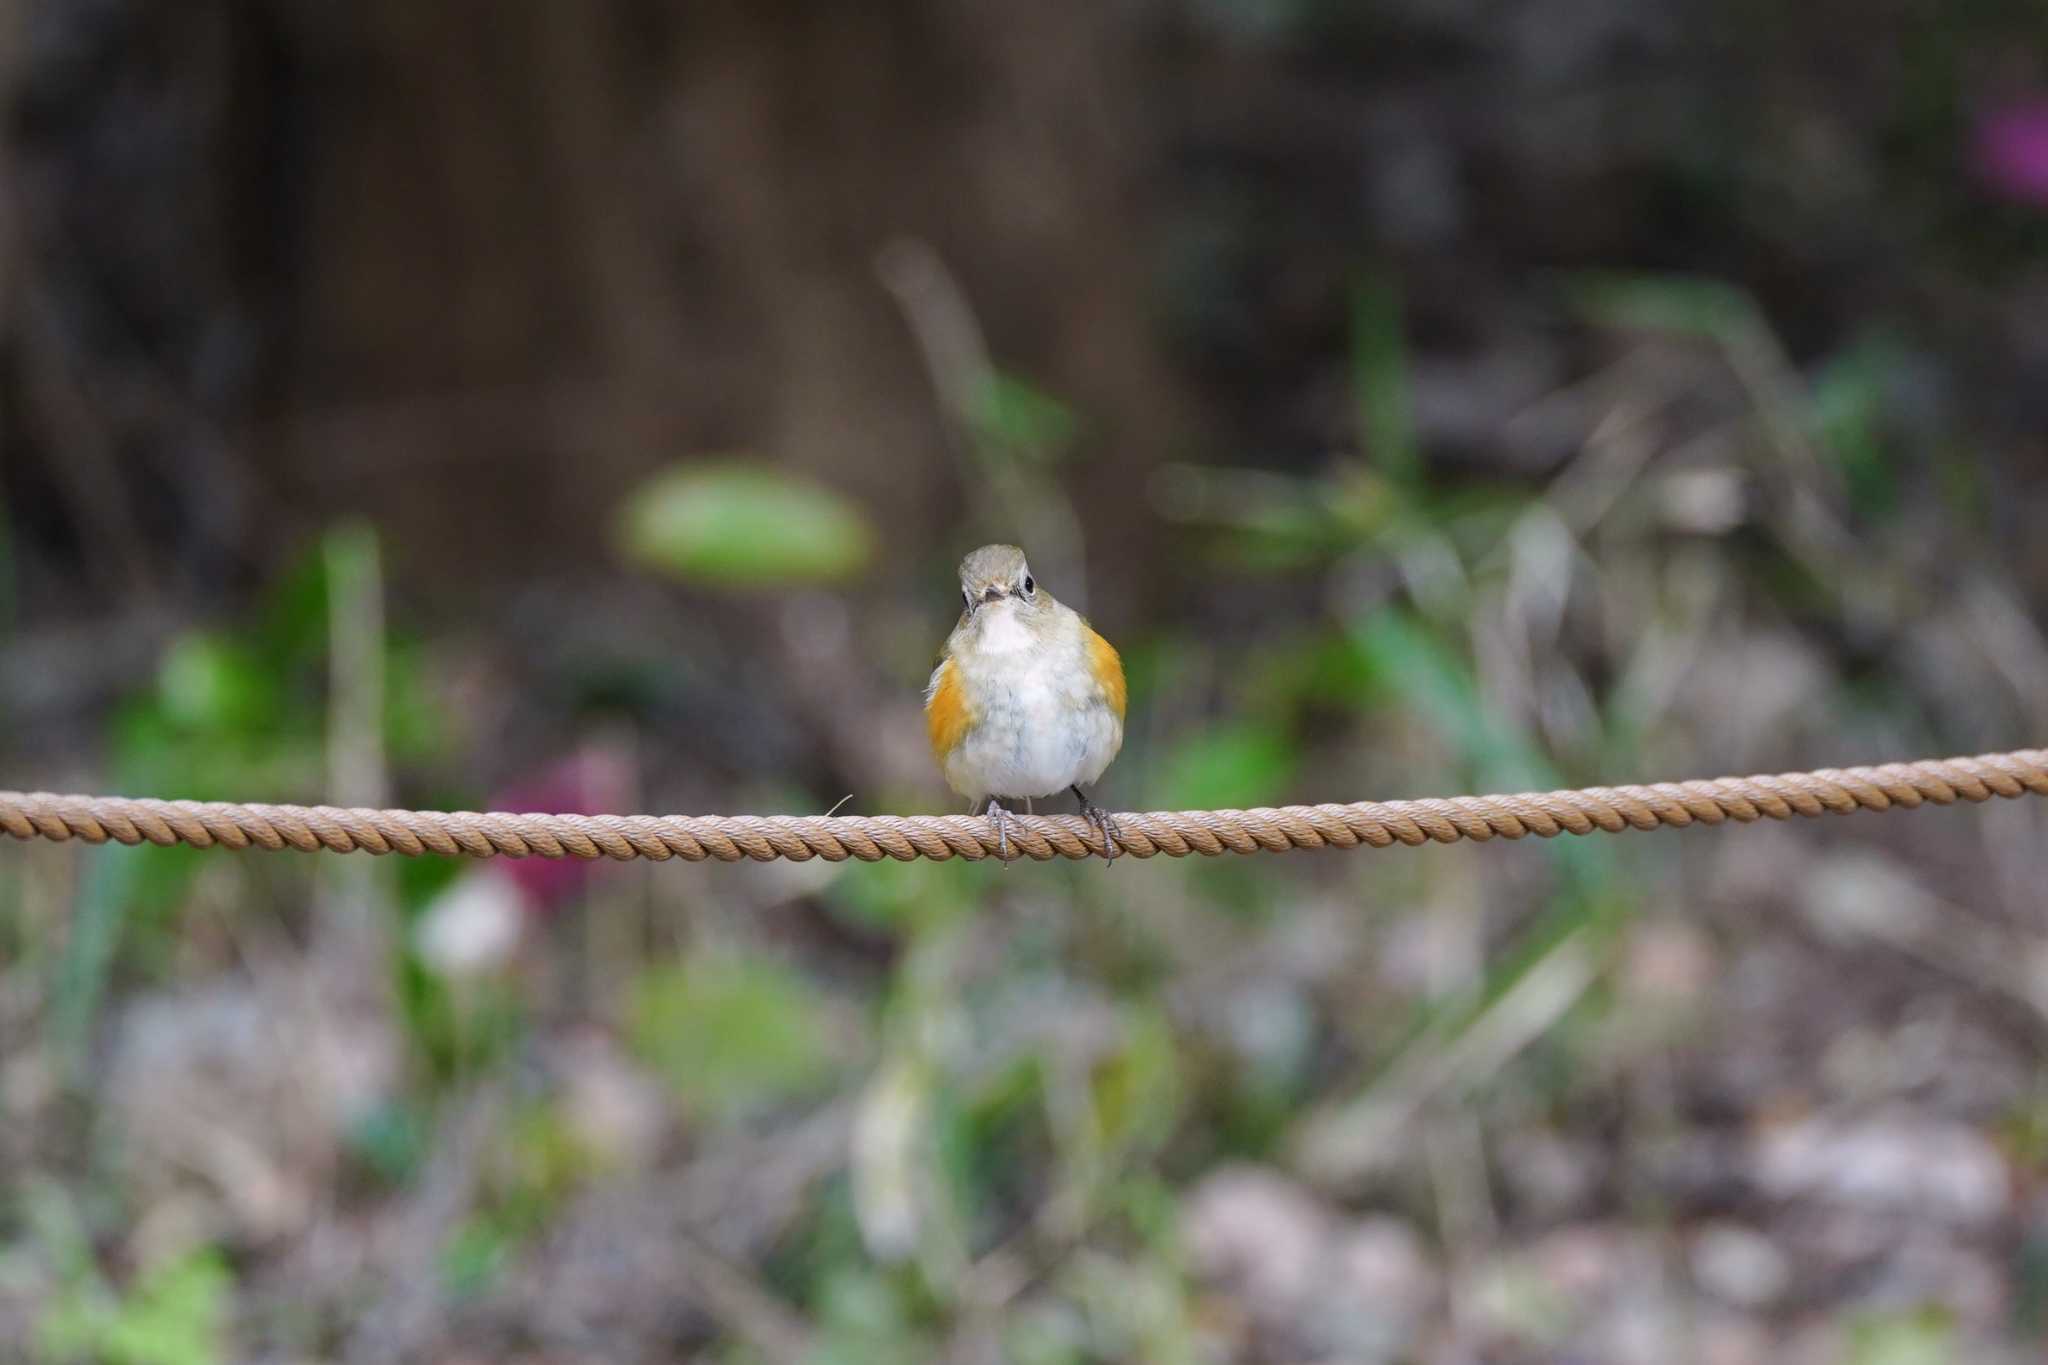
[1027, 700]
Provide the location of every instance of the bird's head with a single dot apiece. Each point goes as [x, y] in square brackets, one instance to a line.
[995, 579]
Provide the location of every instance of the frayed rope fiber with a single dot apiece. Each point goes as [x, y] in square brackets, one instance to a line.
[1143, 834]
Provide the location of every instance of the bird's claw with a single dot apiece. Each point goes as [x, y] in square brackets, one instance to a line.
[1100, 818]
[1001, 819]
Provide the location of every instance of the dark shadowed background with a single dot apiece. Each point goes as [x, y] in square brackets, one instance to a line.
[583, 407]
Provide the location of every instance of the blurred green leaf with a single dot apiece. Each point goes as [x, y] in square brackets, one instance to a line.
[1136, 1308]
[415, 726]
[206, 682]
[730, 1033]
[1015, 415]
[475, 1256]
[391, 1140]
[1138, 1090]
[893, 895]
[153, 752]
[293, 624]
[234, 714]
[744, 524]
[172, 1316]
[1243, 764]
[991, 1144]
[1925, 1336]
[864, 1319]
[1319, 670]
[544, 1162]
[1849, 400]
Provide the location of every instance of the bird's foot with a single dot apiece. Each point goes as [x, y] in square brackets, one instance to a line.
[1102, 822]
[1000, 817]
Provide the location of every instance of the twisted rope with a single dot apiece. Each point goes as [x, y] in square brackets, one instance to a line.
[870, 838]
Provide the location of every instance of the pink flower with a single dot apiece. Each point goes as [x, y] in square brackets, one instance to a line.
[2011, 145]
[591, 781]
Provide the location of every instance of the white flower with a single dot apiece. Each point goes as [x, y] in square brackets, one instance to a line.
[471, 928]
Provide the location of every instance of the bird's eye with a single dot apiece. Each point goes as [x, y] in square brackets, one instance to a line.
[1029, 586]
[968, 598]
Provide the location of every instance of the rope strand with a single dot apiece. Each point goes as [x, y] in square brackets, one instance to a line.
[1143, 834]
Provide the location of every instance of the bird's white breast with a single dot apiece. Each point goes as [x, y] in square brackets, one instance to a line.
[1040, 722]
[1005, 633]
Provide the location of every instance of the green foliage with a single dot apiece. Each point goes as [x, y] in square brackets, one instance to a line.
[1849, 408]
[1438, 686]
[454, 1031]
[730, 1033]
[208, 683]
[1138, 1089]
[536, 1163]
[865, 1318]
[541, 1164]
[1707, 308]
[1273, 524]
[1015, 419]
[390, 1141]
[476, 1255]
[992, 1142]
[1332, 671]
[233, 714]
[223, 713]
[236, 712]
[744, 524]
[893, 895]
[1925, 1336]
[1245, 763]
[121, 885]
[171, 1316]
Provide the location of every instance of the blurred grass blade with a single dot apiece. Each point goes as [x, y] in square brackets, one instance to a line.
[1380, 383]
[889, 1157]
[109, 886]
[1340, 1145]
[1439, 686]
[356, 656]
[1705, 308]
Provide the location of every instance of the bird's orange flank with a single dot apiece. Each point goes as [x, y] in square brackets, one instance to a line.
[1108, 670]
[945, 712]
